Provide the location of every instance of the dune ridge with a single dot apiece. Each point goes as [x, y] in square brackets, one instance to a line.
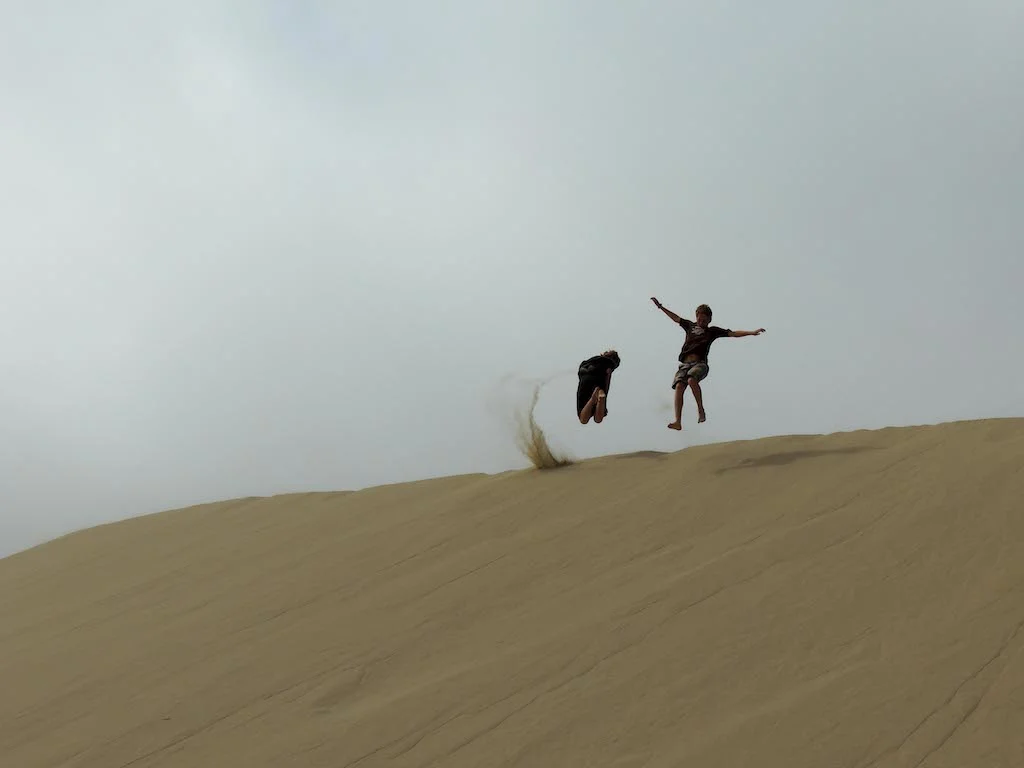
[854, 599]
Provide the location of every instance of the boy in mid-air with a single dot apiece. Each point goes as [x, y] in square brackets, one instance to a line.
[693, 357]
[595, 378]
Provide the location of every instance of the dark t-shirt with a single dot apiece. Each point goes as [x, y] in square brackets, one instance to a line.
[596, 368]
[698, 340]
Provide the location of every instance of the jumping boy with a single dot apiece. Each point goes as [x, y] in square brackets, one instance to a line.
[693, 357]
[595, 375]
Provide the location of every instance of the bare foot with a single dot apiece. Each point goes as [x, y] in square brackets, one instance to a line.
[675, 425]
[701, 417]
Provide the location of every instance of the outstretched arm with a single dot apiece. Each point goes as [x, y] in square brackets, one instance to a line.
[669, 312]
[740, 334]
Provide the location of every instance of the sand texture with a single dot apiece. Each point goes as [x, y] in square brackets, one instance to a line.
[848, 600]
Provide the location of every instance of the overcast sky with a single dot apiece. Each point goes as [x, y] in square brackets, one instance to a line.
[255, 247]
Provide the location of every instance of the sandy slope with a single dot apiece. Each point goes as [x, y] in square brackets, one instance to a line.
[848, 600]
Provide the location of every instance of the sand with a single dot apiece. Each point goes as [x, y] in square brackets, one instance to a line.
[846, 600]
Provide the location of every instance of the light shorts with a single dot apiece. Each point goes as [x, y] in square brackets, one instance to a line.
[696, 370]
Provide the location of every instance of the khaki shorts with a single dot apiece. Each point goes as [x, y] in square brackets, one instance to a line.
[693, 370]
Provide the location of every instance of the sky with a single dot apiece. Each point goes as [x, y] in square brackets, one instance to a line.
[267, 246]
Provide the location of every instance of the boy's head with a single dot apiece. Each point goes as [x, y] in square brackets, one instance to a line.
[612, 355]
[703, 315]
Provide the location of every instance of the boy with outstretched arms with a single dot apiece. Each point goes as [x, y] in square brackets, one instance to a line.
[693, 357]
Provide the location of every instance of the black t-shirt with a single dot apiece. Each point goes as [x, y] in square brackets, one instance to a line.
[698, 340]
[596, 368]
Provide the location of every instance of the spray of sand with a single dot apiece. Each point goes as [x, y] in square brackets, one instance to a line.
[529, 436]
[531, 439]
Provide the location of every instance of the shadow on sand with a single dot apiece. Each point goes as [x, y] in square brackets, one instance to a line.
[641, 455]
[789, 457]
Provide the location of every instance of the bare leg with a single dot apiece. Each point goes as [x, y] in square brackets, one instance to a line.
[678, 423]
[589, 408]
[599, 409]
[695, 386]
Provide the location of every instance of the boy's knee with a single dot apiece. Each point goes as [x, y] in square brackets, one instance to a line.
[694, 383]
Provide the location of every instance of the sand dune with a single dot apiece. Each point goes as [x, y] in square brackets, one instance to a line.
[847, 600]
